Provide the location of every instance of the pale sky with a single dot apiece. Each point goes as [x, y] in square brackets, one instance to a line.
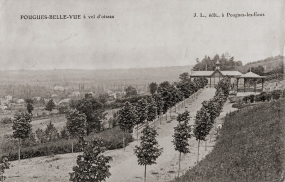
[149, 33]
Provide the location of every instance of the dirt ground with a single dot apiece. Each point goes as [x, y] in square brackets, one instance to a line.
[124, 166]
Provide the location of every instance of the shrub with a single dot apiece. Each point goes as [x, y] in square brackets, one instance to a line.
[245, 99]
[112, 140]
[251, 98]
[6, 120]
[276, 94]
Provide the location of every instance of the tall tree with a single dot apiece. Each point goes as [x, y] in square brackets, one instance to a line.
[182, 135]
[130, 91]
[149, 150]
[91, 166]
[127, 119]
[50, 105]
[22, 128]
[152, 88]
[76, 124]
[94, 111]
[30, 106]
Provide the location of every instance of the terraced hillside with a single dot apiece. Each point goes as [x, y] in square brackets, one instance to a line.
[251, 148]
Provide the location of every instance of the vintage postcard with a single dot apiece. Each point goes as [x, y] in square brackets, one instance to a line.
[153, 90]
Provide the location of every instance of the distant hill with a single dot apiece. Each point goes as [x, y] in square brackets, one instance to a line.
[269, 64]
[134, 76]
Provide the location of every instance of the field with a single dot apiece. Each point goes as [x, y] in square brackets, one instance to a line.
[124, 166]
[251, 147]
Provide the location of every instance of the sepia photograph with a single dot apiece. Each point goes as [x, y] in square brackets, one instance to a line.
[142, 91]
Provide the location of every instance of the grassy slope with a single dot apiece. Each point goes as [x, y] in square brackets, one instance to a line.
[251, 148]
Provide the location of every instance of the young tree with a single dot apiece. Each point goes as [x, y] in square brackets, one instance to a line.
[92, 166]
[142, 110]
[159, 105]
[149, 150]
[22, 128]
[50, 105]
[30, 106]
[127, 119]
[202, 126]
[182, 135]
[76, 124]
[167, 99]
[152, 88]
[41, 136]
[151, 110]
[51, 132]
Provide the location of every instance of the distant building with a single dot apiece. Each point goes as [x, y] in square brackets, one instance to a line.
[75, 94]
[60, 88]
[8, 97]
[20, 101]
[64, 101]
[37, 98]
[54, 95]
[113, 95]
[215, 76]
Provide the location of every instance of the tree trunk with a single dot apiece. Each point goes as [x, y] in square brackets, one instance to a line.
[138, 132]
[19, 151]
[145, 173]
[166, 115]
[161, 115]
[198, 151]
[205, 145]
[179, 163]
[124, 140]
[72, 146]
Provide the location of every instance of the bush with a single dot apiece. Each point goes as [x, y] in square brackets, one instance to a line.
[112, 140]
[6, 120]
[276, 94]
[251, 98]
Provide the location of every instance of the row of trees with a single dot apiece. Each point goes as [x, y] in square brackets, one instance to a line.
[210, 110]
[165, 97]
[143, 111]
[209, 64]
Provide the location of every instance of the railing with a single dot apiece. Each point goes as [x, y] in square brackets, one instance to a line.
[249, 90]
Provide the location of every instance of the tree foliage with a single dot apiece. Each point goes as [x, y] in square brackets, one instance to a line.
[130, 91]
[152, 87]
[76, 123]
[22, 126]
[182, 133]
[151, 110]
[92, 165]
[4, 164]
[50, 105]
[94, 111]
[149, 150]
